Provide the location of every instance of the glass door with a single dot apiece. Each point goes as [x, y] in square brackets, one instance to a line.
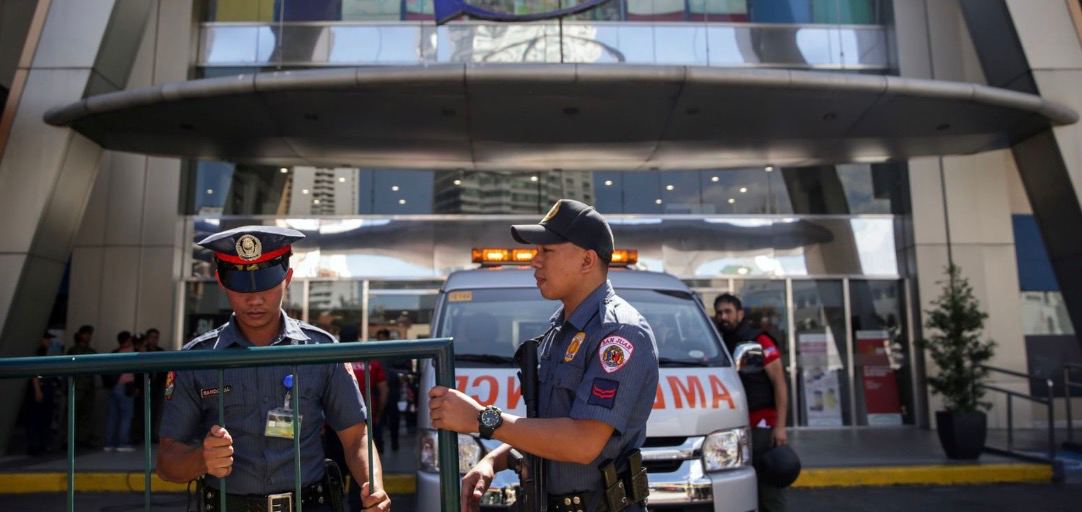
[821, 353]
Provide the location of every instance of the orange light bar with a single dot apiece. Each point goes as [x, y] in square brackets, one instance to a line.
[499, 255]
[523, 255]
[624, 257]
[490, 255]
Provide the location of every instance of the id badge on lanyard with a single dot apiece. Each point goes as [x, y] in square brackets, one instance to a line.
[280, 420]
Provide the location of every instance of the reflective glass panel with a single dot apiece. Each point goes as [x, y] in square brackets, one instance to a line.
[882, 368]
[689, 248]
[1045, 313]
[405, 314]
[822, 380]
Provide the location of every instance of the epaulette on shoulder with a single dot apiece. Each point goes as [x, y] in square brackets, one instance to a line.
[619, 311]
[198, 341]
[321, 336]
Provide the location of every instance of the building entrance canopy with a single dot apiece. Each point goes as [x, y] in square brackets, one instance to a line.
[573, 116]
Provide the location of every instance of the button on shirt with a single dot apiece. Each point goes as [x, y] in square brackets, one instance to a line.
[599, 364]
[261, 464]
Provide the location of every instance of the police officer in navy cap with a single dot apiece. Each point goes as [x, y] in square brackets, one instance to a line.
[598, 374]
[255, 448]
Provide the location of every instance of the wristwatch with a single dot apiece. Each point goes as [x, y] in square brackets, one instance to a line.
[488, 420]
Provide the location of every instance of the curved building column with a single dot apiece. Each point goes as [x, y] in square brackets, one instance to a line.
[1034, 47]
[73, 48]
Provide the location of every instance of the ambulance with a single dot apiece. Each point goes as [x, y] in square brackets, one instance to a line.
[697, 451]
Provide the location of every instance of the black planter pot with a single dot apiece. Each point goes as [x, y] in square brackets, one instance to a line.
[962, 434]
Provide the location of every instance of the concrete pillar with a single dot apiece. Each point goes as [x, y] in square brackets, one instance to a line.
[961, 204]
[127, 256]
[46, 172]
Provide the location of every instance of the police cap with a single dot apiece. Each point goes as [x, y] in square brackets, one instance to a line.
[252, 258]
[569, 221]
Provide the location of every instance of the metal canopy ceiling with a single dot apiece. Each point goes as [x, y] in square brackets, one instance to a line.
[575, 116]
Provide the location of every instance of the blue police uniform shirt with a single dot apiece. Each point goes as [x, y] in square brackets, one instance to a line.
[261, 464]
[599, 364]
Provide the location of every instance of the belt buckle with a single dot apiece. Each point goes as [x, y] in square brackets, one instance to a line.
[273, 501]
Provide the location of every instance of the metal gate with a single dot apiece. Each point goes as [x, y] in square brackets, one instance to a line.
[440, 350]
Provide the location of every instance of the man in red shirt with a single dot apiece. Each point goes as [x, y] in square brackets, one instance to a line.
[767, 394]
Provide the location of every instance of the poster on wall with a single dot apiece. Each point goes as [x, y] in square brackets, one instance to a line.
[877, 377]
[822, 392]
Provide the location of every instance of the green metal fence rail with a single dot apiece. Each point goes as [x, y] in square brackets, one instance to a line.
[440, 350]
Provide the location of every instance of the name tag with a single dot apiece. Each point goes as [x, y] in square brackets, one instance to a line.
[209, 392]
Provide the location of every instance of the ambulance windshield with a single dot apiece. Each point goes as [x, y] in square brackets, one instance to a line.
[488, 324]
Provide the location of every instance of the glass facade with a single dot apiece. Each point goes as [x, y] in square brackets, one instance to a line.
[754, 11]
[217, 188]
[238, 35]
[812, 251]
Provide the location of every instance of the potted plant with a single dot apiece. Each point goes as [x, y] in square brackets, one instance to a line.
[955, 344]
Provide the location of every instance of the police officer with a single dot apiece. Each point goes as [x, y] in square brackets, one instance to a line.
[768, 398]
[255, 447]
[598, 374]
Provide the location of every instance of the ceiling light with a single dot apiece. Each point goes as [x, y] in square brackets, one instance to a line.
[715, 179]
[742, 271]
[341, 179]
[283, 170]
[669, 187]
[657, 201]
[608, 183]
[769, 168]
[533, 178]
[315, 201]
[304, 191]
[210, 191]
[401, 201]
[458, 182]
[394, 188]
[743, 190]
[732, 201]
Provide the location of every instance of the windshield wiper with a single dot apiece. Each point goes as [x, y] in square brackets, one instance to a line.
[484, 358]
[668, 361]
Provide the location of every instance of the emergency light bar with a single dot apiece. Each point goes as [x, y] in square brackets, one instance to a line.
[492, 256]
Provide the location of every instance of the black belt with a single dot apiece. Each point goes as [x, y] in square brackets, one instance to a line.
[314, 494]
[573, 502]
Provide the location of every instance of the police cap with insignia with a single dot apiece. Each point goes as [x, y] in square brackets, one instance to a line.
[569, 221]
[252, 258]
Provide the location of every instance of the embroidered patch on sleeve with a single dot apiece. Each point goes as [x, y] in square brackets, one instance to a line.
[603, 393]
[170, 383]
[614, 353]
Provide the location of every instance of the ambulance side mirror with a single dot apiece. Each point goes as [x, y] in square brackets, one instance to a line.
[748, 357]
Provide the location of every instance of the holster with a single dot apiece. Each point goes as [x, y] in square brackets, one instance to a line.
[336, 486]
[622, 490]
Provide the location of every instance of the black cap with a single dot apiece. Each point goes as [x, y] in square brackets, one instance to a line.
[569, 221]
[252, 258]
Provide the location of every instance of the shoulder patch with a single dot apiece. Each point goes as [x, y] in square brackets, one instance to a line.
[614, 352]
[603, 392]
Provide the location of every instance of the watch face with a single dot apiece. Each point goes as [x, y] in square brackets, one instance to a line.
[490, 417]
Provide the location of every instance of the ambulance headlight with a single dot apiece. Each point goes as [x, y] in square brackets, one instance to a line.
[726, 449]
[469, 452]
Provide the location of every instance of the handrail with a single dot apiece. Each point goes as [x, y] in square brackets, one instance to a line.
[1043, 401]
[1014, 373]
[1048, 402]
[1067, 385]
[149, 362]
[439, 349]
